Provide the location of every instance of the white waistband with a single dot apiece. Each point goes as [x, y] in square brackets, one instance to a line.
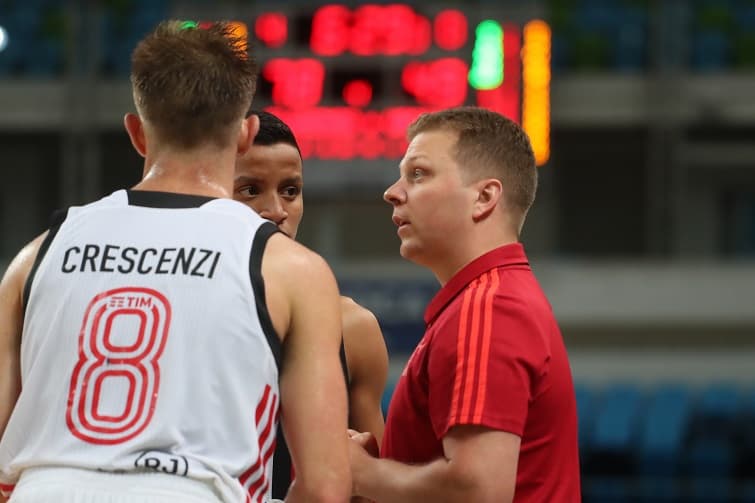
[132, 483]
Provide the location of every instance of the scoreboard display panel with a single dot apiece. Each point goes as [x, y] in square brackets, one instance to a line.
[349, 79]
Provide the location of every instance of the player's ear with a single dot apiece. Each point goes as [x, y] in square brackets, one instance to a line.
[135, 130]
[249, 128]
[489, 196]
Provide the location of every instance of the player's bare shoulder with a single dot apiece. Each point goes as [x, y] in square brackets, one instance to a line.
[285, 256]
[19, 268]
[362, 338]
[356, 318]
[293, 275]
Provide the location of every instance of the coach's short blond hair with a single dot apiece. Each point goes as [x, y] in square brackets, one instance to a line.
[488, 145]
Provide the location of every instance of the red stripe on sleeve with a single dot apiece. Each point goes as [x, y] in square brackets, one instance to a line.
[487, 331]
[475, 336]
[461, 341]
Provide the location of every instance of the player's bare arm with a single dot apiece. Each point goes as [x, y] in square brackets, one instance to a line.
[11, 325]
[479, 465]
[303, 301]
[367, 360]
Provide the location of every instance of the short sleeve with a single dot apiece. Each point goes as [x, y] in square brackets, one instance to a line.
[484, 364]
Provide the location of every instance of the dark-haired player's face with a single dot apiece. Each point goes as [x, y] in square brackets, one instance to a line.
[269, 180]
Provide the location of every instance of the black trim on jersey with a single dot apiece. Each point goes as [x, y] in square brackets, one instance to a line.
[282, 466]
[169, 200]
[344, 364]
[258, 286]
[56, 220]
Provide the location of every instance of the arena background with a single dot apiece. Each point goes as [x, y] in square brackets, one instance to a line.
[643, 232]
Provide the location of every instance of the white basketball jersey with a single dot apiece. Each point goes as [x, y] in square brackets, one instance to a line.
[147, 345]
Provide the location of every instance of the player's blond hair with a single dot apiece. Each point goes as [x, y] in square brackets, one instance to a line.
[190, 84]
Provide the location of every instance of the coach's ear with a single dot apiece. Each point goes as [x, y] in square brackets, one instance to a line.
[249, 128]
[489, 193]
[135, 130]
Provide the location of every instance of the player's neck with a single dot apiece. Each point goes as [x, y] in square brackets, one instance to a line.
[200, 173]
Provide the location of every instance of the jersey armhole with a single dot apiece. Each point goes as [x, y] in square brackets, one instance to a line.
[258, 286]
[56, 220]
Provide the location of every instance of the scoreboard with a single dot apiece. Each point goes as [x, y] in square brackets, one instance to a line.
[349, 79]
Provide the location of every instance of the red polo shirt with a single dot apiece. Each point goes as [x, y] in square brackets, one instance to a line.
[492, 355]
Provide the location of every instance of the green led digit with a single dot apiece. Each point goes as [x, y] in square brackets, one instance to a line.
[486, 71]
[189, 25]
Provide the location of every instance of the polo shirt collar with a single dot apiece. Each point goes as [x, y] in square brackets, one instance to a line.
[511, 254]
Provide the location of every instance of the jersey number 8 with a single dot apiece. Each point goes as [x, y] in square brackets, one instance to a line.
[115, 382]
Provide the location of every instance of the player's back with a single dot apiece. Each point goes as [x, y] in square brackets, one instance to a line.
[147, 339]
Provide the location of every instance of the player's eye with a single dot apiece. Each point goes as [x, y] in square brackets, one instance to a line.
[291, 191]
[249, 191]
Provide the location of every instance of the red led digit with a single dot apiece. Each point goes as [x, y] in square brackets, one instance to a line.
[410, 76]
[398, 29]
[450, 29]
[357, 93]
[450, 82]
[421, 36]
[440, 83]
[366, 30]
[296, 83]
[272, 29]
[330, 30]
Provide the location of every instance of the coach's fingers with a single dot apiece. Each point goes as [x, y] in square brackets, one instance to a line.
[368, 442]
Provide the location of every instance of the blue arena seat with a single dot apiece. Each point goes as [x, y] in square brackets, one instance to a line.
[710, 50]
[717, 409]
[745, 437]
[747, 492]
[703, 490]
[47, 59]
[710, 457]
[744, 16]
[664, 426]
[631, 41]
[659, 490]
[607, 490]
[585, 413]
[615, 430]
[387, 395]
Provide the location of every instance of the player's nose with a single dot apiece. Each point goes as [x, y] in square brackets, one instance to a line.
[274, 211]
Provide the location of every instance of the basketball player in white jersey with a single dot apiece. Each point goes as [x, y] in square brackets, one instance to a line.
[140, 348]
[269, 180]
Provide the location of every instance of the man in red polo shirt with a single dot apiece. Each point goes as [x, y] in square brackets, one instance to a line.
[485, 408]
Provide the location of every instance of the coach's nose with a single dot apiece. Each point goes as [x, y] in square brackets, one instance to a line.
[395, 195]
